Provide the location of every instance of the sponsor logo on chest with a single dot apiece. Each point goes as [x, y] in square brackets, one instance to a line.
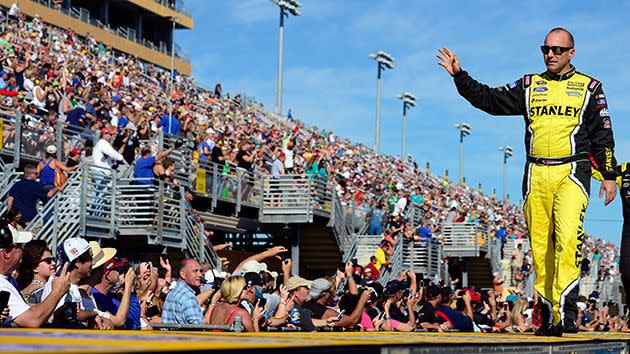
[560, 111]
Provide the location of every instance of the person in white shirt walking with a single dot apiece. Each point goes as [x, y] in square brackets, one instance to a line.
[102, 154]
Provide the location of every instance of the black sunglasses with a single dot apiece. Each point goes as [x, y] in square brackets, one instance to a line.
[556, 49]
[48, 260]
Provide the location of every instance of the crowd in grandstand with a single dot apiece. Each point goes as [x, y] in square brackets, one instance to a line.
[113, 101]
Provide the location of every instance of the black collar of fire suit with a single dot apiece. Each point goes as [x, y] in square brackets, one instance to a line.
[558, 77]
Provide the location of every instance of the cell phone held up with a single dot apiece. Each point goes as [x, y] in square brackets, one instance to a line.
[4, 299]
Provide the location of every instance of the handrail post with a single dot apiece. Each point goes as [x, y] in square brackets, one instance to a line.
[202, 243]
[59, 140]
[112, 213]
[261, 178]
[17, 142]
[182, 218]
[160, 218]
[55, 224]
[215, 185]
[239, 189]
[84, 196]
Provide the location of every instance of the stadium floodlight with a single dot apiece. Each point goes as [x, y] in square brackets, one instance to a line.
[409, 101]
[287, 8]
[384, 61]
[507, 152]
[464, 130]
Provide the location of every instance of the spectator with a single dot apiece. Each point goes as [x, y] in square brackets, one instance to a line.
[299, 292]
[234, 290]
[516, 262]
[454, 318]
[181, 305]
[76, 252]
[170, 125]
[127, 142]
[104, 152]
[374, 271]
[36, 267]
[143, 168]
[24, 195]
[20, 312]
[47, 168]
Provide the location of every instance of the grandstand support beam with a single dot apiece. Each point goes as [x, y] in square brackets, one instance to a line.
[17, 142]
[296, 240]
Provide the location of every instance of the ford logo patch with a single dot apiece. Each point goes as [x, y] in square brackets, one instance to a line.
[540, 89]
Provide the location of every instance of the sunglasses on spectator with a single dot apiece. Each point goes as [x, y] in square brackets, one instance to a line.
[556, 49]
[48, 260]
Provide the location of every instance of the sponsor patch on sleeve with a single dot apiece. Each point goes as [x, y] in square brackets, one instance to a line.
[606, 122]
[604, 112]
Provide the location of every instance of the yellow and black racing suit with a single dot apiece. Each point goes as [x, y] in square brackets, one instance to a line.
[623, 180]
[566, 116]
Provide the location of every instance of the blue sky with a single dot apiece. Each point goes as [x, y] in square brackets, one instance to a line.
[329, 80]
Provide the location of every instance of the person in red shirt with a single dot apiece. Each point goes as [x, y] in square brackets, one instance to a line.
[374, 272]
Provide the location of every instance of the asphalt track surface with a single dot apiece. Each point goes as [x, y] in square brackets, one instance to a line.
[90, 341]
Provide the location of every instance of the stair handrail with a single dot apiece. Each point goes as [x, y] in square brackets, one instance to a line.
[396, 264]
[61, 216]
[9, 178]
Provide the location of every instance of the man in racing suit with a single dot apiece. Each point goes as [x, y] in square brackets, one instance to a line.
[566, 116]
[623, 180]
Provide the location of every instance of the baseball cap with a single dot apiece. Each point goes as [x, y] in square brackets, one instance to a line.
[282, 154]
[51, 149]
[105, 131]
[253, 266]
[131, 126]
[113, 264]
[377, 290]
[252, 278]
[71, 249]
[9, 235]
[296, 282]
[101, 255]
[319, 287]
[75, 151]
[393, 287]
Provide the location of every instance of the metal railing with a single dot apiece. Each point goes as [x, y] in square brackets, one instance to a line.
[8, 177]
[228, 183]
[83, 15]
[177, 5]
[464, 239]
[422, 257]
[296, 197]
[396, 265]
[414, 214]
[61, 218]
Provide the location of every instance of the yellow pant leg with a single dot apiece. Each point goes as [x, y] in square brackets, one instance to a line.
[569, 209]
[538, 211]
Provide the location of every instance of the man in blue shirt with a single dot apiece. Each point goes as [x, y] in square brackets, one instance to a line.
[456, 319]
[181, 305]
[170, 125]
[25, 194]
[143, 170]
[105, 300]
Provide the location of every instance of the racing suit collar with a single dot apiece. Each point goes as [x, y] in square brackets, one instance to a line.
[559, 77]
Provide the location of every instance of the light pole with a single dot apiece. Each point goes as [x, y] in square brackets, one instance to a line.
[287, 7]
[170, 94]
[464, 130]
[409, 101]
[384, 61]
[507, 152]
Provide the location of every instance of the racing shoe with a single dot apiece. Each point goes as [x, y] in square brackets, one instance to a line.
[546, 330]
[569, 326]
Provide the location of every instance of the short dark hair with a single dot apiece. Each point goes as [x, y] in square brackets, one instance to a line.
[561, 29]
